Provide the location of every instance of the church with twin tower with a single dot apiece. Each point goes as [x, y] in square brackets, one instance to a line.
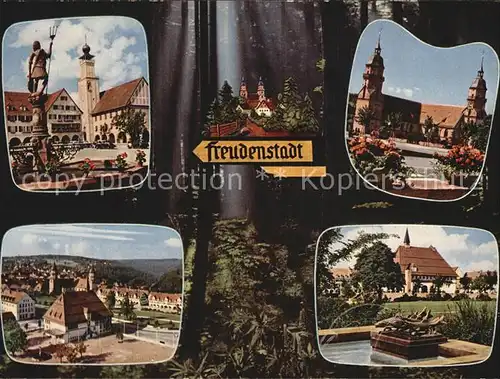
[100, 107]
[448, 118]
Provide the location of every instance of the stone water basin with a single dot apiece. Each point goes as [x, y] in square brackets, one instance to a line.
[361, 353]
[352, 346]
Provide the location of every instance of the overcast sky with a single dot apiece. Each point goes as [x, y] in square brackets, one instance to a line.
[417, 71]
[100, 241]
[469, 249]
[118, 43]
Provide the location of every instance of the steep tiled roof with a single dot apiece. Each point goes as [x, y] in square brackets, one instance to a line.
[12, 296]
[52, 98]
[340, 271]
[427, 260]
[446, 116]
[160, 296]
[17, 100]
[410, 110]
[117, 97]
[69, 308]
[267, 103]
[82, 283]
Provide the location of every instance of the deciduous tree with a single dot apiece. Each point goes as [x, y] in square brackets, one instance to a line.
[15, 337]
[375, 269]
[132, 122]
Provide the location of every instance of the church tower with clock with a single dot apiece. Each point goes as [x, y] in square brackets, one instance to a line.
[88, 92]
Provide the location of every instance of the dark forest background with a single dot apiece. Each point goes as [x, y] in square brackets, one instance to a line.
[249, 296]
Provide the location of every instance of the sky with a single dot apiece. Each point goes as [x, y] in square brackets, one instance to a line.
[469, 249]
[118, 43]
[420, 72]
[99, 241]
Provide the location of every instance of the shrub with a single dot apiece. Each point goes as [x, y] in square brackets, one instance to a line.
[406, 298]
[470, 322]
[372, 155]
[483, 297]
[461, 159]
[336, 313]
[460, 296]
[446, 297]
[108, 164]
[434, 297]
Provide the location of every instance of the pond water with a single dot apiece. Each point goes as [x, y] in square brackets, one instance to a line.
[361, 353]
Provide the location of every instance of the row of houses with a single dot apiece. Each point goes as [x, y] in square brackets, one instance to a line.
[418, 264]
[141, 299]
[86, 118]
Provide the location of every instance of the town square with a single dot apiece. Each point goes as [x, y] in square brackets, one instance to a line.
[77, 112]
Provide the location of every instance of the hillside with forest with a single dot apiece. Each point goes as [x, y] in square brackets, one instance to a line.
[134, 272]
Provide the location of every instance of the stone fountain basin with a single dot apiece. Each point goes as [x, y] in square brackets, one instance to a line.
[99, 177]
[353, 346]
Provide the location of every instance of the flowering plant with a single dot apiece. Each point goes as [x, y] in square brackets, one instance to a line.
[52, 167]
[108, 164]
[121, 163]
[15, 168]
[371, 155]
[464, 159]
[86, 166]
[140, 157]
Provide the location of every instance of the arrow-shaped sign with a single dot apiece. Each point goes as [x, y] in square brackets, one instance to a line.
[254, 151]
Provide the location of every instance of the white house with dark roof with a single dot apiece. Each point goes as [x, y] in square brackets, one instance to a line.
[19, 303]
[64, 117]
[76, 316]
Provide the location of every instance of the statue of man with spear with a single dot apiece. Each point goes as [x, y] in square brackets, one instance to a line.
[37, 72]
[37, 66]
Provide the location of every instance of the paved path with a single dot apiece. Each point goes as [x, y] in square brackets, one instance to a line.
[419, 149]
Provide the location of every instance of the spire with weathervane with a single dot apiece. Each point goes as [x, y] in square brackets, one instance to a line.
[476, 99]
[407, 238]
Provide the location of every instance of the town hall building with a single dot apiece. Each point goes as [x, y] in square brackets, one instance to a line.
[88, 118]
[419, 265]
[448, 118]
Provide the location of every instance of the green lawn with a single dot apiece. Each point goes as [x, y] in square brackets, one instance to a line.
[436, 307]
[155, 314]
[43, 299]
[151, 314]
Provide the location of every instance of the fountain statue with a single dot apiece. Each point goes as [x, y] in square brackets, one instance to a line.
[411, 337]
[38, 79]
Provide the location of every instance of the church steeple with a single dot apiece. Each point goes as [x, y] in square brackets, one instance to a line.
[407, 238]
[378, 49]
[243, 88]
[261, 90]
[371, 95]
[476, 99]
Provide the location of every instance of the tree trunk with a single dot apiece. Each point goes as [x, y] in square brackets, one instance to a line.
[397, 11]
[190, 344]
[363, 13]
